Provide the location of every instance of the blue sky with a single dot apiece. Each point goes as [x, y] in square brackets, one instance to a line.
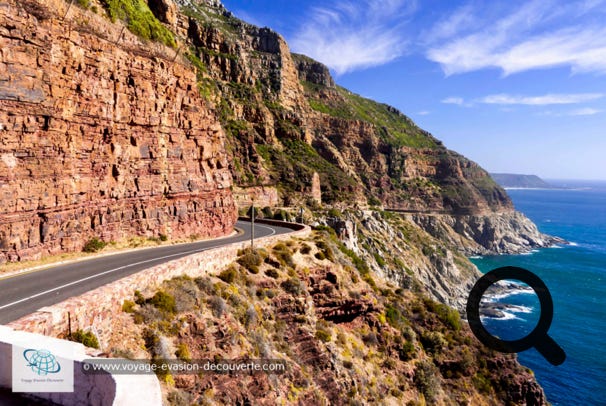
[517, 86]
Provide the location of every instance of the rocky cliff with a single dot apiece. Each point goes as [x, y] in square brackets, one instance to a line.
[344, 336]
[102, 135]
[131, 117]
[287, 121]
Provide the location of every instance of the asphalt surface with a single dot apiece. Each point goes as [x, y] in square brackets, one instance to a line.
[26, 293]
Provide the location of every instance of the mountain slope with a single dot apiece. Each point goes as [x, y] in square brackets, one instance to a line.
[287, 123]
[520, 181]
[123, 117]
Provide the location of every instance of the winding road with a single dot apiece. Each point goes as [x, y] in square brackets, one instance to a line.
[25, 293]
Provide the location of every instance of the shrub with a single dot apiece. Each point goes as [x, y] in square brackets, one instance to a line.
[139, 298]
[406, 352]
[217, 305]
[426, 380]
[250, 317]
[370, 338]
[260, 344]
[294, 286]
[394, 316]
[284, 255]
[433, 341]
[267, 213]
[179, 397]
[328, 254]
[333, 212]
[163, 237]
[128, 306]
[147, 314]
[450, 316]
[447, 315]
[380, 261]
[83, 3]
[373, 201]
[251, 260]
[272, 273]
[229, 275]
[281, 215]
[94, 245]
[266, 293]
[305, 249]
[183, 352]
[205, 284]
[164, 301]
[87, 338]
[257, 212]
[323, 335]
[481, 382]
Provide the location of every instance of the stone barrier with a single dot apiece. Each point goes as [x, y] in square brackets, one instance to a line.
[96, 309]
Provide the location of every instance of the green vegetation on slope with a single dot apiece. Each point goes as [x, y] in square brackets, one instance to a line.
[294, 165]
[216, 17]
[392, 126]
[139, 19]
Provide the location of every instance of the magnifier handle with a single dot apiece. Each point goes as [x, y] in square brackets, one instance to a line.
[551, 350]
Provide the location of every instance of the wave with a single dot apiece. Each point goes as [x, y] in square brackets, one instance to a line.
[520, 309]
[476, 257]
[573, 244]
[505, 316]
[519, 290]
[509, 313]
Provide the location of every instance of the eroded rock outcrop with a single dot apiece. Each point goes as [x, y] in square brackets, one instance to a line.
[508, 232]
[100, 137]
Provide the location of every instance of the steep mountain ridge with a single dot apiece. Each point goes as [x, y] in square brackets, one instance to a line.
[283, 131]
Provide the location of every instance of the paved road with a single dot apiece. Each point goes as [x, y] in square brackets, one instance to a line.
[24, 294]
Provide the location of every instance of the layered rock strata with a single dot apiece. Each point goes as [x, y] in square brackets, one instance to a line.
[101, 136]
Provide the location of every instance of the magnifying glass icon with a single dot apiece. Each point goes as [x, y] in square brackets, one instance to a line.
[538, 338]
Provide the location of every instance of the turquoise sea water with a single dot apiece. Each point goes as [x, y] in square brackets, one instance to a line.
[576, 277]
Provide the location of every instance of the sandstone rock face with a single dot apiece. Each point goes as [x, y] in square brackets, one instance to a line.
[101, 139]
[261, 196]
[313, 71]
[316, 189]
[164, 10]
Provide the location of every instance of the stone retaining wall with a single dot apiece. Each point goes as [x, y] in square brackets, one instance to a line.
[89, 389]
[97, 307]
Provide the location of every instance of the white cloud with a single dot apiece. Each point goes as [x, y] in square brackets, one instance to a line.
[355, 35]
[423, 113]
[547, 99]
[541, 34]
[454, 100]
[587, 111]
[453, 24]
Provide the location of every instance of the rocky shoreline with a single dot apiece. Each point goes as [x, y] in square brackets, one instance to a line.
[508, 232]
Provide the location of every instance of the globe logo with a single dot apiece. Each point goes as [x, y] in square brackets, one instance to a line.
[42, 362]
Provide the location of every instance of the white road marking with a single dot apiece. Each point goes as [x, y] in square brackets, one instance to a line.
[96, 275]
[273, 231]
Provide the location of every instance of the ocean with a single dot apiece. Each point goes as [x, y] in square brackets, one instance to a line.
[575, 275]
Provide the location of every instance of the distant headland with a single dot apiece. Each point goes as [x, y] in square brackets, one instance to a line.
[516, 181]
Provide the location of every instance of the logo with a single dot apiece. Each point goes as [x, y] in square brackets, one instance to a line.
[42, 362]
[538, 338]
